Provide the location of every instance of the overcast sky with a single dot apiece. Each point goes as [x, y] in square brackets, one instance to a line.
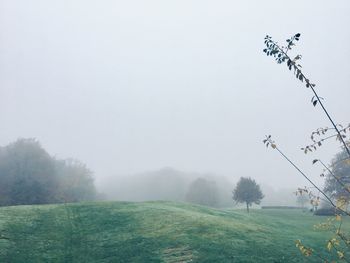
[133, 86]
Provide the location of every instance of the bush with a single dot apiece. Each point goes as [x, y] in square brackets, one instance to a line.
[328, 211]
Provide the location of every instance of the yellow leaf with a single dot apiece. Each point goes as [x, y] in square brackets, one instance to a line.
[341, 203]
[338, 217]
[329, 245]
[340, 254]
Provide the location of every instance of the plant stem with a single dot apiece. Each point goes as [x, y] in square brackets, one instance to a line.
[336, 178]
[331, 120]
[307, 178]
[318, 98]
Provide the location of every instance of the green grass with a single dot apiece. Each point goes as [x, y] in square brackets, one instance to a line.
[155, 232]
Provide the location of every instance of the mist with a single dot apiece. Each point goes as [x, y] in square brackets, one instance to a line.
[131, 87]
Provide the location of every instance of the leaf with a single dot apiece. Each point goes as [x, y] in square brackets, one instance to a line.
[273, 145]
[314, 103]
[297, 58]
[341, 203]
[338, 217]
[314, 161]
[340, 254]
[329, 245]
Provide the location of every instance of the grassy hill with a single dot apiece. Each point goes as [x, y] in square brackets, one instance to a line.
[153, 232]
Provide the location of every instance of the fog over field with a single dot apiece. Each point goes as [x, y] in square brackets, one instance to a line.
[152, 95]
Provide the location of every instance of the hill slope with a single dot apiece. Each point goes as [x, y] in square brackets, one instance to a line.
[153, 232]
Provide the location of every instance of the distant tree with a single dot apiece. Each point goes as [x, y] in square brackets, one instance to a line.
[76, 182]
[203, 192]
[29, 175]
[247, 191]
[338, 176]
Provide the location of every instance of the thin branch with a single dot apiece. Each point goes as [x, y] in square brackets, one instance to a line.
[329, 117]
[305, 176]
[334, 176]
[318, 142]
[313, 90]
[308, 179]
[337, 250]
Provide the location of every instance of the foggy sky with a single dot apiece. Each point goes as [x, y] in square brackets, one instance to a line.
[133, 86]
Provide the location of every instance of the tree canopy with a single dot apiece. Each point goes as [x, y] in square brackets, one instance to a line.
[338, 176]
[29, 175]
[247, 191]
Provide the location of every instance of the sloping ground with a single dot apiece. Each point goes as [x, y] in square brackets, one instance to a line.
[154, 232]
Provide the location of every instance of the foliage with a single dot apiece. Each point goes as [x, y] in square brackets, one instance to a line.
[339, 171]
[281, 56]
[320, 135]
[29, 175]
[337, 188]
[76, 181]
[247, 191]
[203, 192]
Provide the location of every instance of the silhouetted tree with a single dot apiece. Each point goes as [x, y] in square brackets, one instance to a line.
[247, 191]
[29, 175]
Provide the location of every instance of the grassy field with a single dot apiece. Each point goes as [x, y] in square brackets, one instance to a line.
[154, 232]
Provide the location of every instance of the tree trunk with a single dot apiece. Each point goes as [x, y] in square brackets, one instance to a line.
[247, 207]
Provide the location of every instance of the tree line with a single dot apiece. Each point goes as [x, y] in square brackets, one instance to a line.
[29, 175]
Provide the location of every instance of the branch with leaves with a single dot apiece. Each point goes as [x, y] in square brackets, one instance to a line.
[345, 187]
[269, 142]
[281, 56]
[341, 207]
[339, 243]
[322, 134]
